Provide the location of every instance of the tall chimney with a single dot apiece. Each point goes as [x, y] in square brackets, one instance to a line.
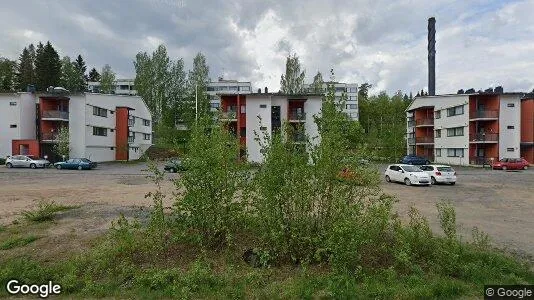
[432, 56]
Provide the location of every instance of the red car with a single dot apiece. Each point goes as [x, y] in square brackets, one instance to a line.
[511, 164]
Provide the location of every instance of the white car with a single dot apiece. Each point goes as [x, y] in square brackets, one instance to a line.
[26, 161]
[440, 174]
[408, 174]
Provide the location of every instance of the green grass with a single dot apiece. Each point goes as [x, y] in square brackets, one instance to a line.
[46, 211]
[15, 242]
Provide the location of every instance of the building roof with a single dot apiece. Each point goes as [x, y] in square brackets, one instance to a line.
[272, 94]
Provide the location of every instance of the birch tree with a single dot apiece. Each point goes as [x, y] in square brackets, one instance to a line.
[292, 82]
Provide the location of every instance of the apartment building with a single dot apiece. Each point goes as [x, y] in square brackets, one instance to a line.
[264, 113]
[225, 86]
[471, 129]
[350, 90]
[101, 127]
[121, 87]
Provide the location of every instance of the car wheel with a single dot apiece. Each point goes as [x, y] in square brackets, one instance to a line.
[433, 180]
[33, 166]
[504, 168]
[58, 167]
[407, 181]
[453, 183]
[388, 179]
[9, 165]
[80, 168]
[525, 168]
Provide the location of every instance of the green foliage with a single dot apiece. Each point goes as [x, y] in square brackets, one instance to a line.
[2, 161]
[25, 69]
[7, 75]
[46, 211]
[317, 85]
[47, 67]
[94, 75]
[70, 75]
[292, 82]
[107, 80]
[15, 242]
[447, 219]
[207, 205]
[62, 146]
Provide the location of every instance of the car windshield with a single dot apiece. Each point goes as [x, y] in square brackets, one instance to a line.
[412, 169]
[85, 160]
[445, 169]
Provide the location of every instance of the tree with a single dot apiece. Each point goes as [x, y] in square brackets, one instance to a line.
[69, 75]
[363, 91]
[94, 76]
[7, 75]
[176, 92]
[47, 66]
[62, 147]
[293, 80]
[25, 70]
[318, 82]
[198, 80]
[107, 82]
[81, 68]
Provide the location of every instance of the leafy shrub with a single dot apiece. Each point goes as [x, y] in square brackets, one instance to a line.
[2, 161]
[447, 219]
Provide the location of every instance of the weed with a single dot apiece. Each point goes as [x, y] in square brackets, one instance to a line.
[447, 219]
[46, 211]
[15, 242]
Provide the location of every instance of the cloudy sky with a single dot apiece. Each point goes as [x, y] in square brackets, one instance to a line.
[480, 43]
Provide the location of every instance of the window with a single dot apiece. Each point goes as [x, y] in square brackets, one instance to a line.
[131, 137]
[111, 130]
[353, 89]
[263, 105]
[510, 127]
[210, 89]
[263, 128]
[394, 168]
[438, 152]
[353, 98]
[13, 126]
[510, 105]
[243, 132]
[455, 152]
[215, 105]
[243, 109]
[457, 131]
[124, 87]
[112, 148]
[146, 122]
[454, 111]
[12, 103]
[438, 133]
[352, 106]
[244, 88]
[110, 112]
[100, 131]
[510, 149]
[437, 114]
[232, 88]
[340, 89]
[101, 112]
[131, 121]
[146, 136]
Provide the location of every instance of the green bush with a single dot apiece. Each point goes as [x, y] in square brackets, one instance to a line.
[2, 161]
[46, 211]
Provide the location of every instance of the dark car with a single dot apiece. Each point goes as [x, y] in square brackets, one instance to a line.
[414, 160]
[76, 164]
[174, 165]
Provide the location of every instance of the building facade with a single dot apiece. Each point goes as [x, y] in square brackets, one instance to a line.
[249, 115]
[350, 90]
[222, 86]
[471, 129]
[121, 87]
[101, 127]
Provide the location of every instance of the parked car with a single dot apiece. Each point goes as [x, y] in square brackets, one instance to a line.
[76, 164]
[414, 160]
[26, 161]
[174, 165]
[409, 174]
[440, 174]
[511, 164]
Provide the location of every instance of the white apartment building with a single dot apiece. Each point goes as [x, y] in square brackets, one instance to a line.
[223, 86]
[351, 91]
[121, 87]
[470, 129]
[101, 127]
[264, 113]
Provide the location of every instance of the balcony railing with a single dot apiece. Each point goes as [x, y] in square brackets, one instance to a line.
[479, 160]
[131, 139]
[411, 141]
[424, 122]
[55, 114]
[484, 114]
[297, 116]
[484, 137]
[424, 140]
[49, 136]
[411, 123]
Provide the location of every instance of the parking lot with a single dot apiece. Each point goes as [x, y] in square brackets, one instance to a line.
[501, 203]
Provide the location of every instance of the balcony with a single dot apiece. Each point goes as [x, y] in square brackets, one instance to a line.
[479, 160]
[481, 138]
[131, 139]
[484, 115]
[424, 122]
[55, 115]
[50, 137]
[297, 116]
[229, 116]
[411, 141]
[411, 123]
[424, 140]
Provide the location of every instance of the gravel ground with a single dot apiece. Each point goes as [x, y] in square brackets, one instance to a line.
[498, 202]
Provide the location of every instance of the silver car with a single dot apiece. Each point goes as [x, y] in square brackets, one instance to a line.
[26, 161]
